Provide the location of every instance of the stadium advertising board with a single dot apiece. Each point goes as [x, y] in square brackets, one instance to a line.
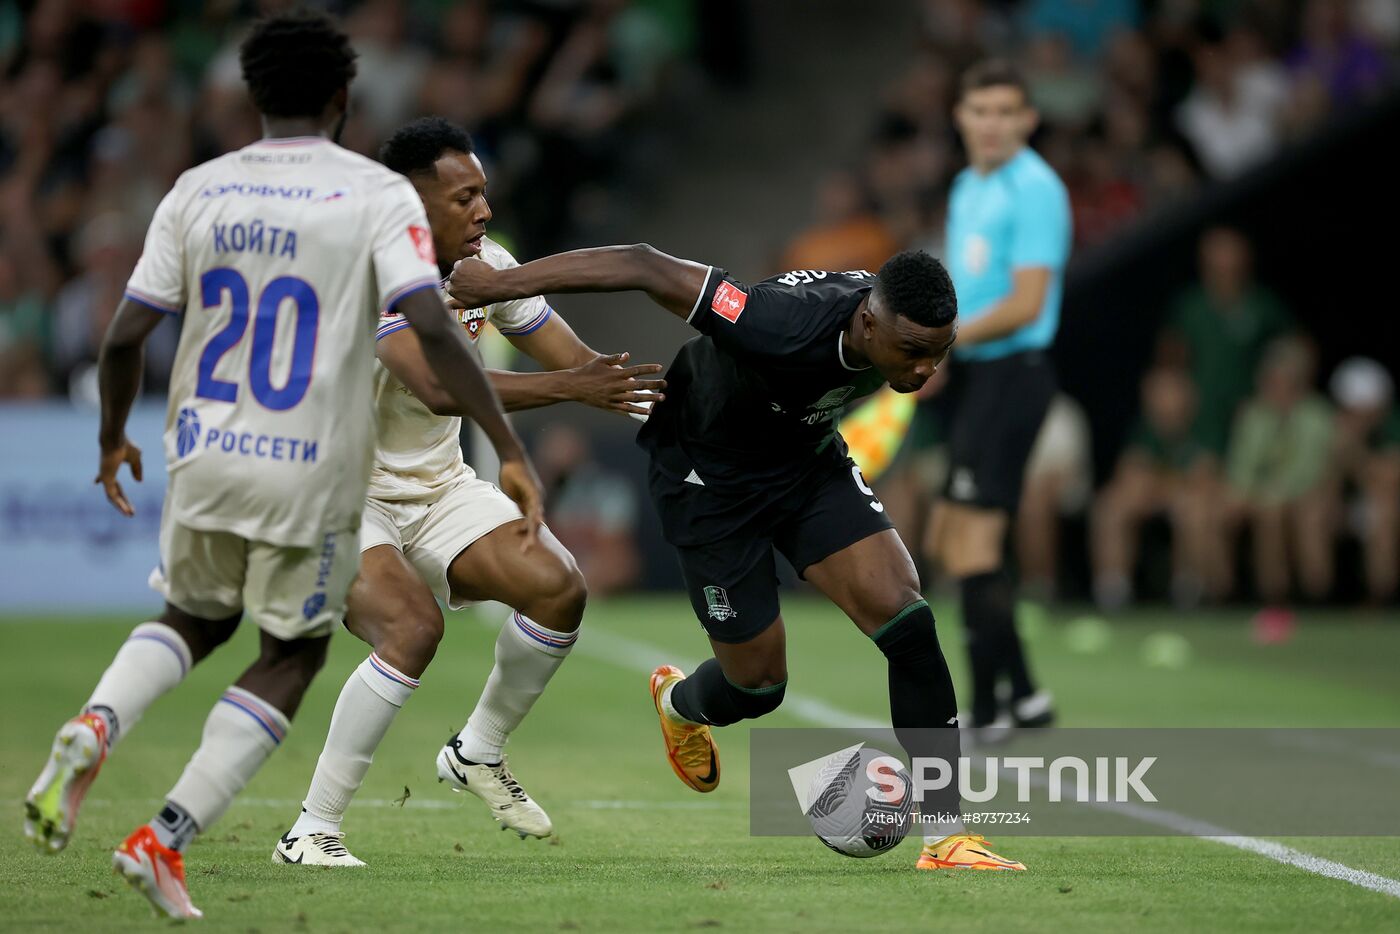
[62, 545]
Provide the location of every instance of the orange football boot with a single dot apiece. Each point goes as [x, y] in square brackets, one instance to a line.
[155, 871]
[964, 851]
[690, 748]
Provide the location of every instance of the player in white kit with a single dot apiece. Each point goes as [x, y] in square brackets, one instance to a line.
[433, 529]
[280, 257]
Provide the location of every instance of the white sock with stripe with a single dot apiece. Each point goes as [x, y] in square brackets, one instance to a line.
[241, 732]
[527, 656]
[367, 705]
[151, 661]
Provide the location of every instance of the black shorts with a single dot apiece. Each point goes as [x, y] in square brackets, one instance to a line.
[726, 540]
[996, 408]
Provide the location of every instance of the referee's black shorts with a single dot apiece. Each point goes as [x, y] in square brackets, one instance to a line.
[725, 541]
[995, 410]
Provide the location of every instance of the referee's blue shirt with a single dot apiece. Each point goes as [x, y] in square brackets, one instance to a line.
[1011, 218]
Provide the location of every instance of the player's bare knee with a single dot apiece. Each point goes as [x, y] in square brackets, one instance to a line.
[974, 557]
[202, 636]
[771, 678]
[284, 670]
[363, 626]
[879, 608]
[411, 640]
[560, 596]
[572, 599]
[959, 548]
[757, 674]
[313, 660]
[299, 660]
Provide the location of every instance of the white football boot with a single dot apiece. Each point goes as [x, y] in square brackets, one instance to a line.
[51, 807]
[314, 849]
[512, 808]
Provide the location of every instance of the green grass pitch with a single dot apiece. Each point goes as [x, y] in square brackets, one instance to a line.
[637, 850]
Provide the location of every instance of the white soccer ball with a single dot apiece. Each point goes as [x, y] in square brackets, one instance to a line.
[862, 803]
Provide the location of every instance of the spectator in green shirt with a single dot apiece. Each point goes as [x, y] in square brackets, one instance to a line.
[1367, 459]
[1218, 330]
[1163, 471]
[1279, 472]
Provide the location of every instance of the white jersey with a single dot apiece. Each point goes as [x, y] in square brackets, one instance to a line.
[281, 257]
[419, 454]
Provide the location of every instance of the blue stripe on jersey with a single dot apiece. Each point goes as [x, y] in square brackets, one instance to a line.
[151, 303]
[404, 291]
[388, 329]
[533, 325]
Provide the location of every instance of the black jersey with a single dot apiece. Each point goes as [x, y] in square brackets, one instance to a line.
[753, 401]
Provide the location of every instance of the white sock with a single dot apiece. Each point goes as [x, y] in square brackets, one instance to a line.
[670, 710]
[151, 661]
[371, 698]
[527, 656]
[174, 827]
[937, 832]
[241, 732]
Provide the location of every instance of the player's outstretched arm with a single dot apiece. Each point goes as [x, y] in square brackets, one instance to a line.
[672, 283]
[603, 381]
[458, 372]
[119, 380]
[574, 373]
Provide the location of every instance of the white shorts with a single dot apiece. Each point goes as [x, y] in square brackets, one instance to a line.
[432, 535]
[290, 593]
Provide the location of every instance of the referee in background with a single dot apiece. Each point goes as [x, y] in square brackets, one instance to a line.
[1008, 239]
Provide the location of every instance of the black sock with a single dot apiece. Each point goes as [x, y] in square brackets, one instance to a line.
[921, 689]
[994, 648]
[174, 826]
[923, 704]
[707, 696]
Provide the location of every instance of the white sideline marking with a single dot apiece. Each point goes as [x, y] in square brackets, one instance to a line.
[1314, 864]
[1335, 748]
[1267, 848]
[629, 653]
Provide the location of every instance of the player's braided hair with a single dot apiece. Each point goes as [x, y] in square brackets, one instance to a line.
[916, 285]
[417, 146]
[295, 62]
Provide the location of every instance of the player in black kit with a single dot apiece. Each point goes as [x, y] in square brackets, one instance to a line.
[745, 458]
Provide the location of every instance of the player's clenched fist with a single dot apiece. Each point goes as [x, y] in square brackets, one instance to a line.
[123, 452]
[470, 283]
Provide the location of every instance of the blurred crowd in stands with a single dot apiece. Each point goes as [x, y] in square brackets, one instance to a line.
[1141, 103]
[1235, 454]
[1236, 451]
[103, 104]
[1233, 436]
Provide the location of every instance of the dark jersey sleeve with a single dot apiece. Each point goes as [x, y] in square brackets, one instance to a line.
[777, 316]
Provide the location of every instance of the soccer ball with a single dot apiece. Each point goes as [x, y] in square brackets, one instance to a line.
[862, 803]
